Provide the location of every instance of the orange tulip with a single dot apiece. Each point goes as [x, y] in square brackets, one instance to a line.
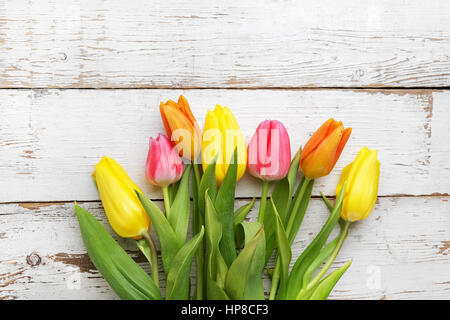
[181, 127]
[323, 149]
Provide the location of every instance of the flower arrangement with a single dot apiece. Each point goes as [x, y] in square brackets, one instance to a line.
[231, 254]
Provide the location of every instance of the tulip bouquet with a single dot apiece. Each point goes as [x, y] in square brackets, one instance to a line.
[231, 253]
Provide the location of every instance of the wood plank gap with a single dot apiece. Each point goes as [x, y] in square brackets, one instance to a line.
[380, 88]
[61, 202]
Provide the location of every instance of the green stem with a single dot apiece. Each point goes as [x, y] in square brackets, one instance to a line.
[165, 191]
[297, 203]
[327, 265]
[198, 222]
[262, 206]
[153, 257]
[197, 174]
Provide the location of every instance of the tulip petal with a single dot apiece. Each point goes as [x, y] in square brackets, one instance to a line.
[163, 166]
[317, 138]
[269, 151]
[162, 108]
[345, 136]
[184, 106]
[362, 177]
[123, 209]
[221, 136]
[317, 164]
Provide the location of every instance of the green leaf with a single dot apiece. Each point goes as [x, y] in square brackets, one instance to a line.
[173, 191]
[195, 206]
[293, 170]
[216, 266]
[245, 231]
[145, 249]
[327, 202]
[303, 195]
[170, 243]
[330, 207]
[197, 223]
[244, 277]
[124, 275]
[214, 291]
[283, 199]
[295, 282]
[284, 250]
[178, 280]
[242, 212]
[224, 205]
[207, 182]
[270, 233]
[321, 257]
[325, 286]
[179, 211]
[280, 196]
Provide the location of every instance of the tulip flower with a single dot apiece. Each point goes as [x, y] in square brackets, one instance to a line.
[269, 156]
[323, 149]
[181, 127]
[362, 176]
[122, 206]
[164, 165]
[221, 137]
[269, 151]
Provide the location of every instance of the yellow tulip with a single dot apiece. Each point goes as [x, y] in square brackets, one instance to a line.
[122, 206]
[221, 136]
[362, 176]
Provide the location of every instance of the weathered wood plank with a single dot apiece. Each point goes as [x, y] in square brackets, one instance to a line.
[178, 44]
[50, 140]
[43, 256]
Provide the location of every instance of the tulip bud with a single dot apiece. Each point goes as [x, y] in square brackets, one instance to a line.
[362, 176]
[221, 137]
[269, 151]
[122, 206]
[164, 165]
[181, 127]
[323, 149]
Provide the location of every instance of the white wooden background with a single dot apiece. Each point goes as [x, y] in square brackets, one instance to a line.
[82, 79]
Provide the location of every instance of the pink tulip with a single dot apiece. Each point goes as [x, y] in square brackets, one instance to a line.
[269, 151]
[164, 165]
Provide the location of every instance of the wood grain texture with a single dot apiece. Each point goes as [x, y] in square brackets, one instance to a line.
[243, 44]
[43, 255]
[50, 140]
